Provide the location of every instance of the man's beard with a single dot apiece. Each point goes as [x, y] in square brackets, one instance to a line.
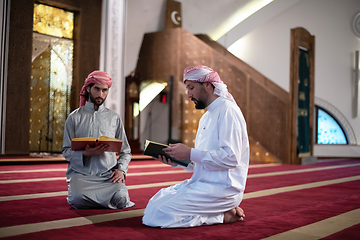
[199, 104]
[93, 100]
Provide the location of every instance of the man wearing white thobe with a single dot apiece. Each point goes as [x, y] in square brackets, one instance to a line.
[220, 161]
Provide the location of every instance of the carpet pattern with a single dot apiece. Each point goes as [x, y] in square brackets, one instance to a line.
[320, 201]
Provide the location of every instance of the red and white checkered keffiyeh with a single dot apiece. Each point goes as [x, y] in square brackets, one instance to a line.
[97, 77]
[206, 74]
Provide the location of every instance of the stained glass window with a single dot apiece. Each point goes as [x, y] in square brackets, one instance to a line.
[53, 21]
[51, 78]
[329, 131]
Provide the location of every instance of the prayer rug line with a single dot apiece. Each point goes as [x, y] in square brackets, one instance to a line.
[64, 193]
[322, 228]
[331, 160]
[64, 178]
[348, 219]
[260, 193]
[273, 191]
[66, 223]
[64, 169]
[130, 167]
[301, 170]
[183, 171]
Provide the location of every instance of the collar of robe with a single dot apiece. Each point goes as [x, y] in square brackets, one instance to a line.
[90, 106]
[214, 104]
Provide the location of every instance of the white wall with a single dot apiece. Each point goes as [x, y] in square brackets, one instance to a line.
[198, 16]
[142, 16]
[154, 122]
[267, 49]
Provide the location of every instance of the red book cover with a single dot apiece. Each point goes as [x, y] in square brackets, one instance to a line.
[79, 144]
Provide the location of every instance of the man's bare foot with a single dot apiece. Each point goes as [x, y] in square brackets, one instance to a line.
[234, 215]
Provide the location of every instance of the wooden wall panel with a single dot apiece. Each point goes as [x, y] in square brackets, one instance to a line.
[268, 120]
[235, 79]
[18, 77]
[86, 59]
[262, 102]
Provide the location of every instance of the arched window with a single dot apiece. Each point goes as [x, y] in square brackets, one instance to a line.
[51, 77]
[328, 129]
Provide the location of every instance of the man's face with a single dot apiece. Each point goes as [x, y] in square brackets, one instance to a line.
[98, 93]
[197, 94]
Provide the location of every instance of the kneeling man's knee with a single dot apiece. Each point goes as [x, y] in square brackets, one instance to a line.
[120, 199]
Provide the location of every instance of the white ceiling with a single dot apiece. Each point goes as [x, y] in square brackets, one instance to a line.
[204, 16]
[208, 16]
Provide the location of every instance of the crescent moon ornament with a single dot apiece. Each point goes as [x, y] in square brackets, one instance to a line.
[175, 19]
[356, 24]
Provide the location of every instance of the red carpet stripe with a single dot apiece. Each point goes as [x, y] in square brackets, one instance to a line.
[56, 208]
[139, 197]
[22, 179]
[256, 184]
[246, 196]
[268, 211]
[322, 228]
[247, 227]
[53, 186]
[285, 167]
[348, 233]
[296, 178]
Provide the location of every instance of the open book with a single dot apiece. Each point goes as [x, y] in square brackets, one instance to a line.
[155, 149]
[79, 144]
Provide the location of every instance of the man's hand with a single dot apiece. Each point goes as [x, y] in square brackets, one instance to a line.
[89, 151]
[179, 151]
[166, 161]
[117, 176]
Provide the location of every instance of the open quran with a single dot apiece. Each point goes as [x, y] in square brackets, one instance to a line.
[79, 144]
[155, 149]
